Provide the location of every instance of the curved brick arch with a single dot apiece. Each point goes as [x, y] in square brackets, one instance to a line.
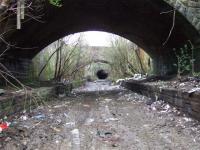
[140, 21]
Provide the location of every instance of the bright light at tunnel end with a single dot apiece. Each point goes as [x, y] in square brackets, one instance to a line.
[92, 38]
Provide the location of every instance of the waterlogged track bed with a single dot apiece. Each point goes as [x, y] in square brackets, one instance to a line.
[121, 122]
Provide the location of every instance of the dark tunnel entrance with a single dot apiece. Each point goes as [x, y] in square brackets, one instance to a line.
[102, 74]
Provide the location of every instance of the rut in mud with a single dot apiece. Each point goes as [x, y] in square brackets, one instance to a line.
[121, 121]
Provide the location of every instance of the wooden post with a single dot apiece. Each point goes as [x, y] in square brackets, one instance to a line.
[19, 14]
[22, 9]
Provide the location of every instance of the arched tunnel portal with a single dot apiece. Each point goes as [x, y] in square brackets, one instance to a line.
[145, 22]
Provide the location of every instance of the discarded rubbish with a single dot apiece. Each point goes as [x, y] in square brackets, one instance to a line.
[108, 133]
[40, 116]
[127, 119]
[108, 100]
[103, 134]
[138, 76]
[24, 118]
[114, 145]
[135, 77]
[98, 86]
[63, 105]
[111, 119]
[2, 92]
[4, 126]
[75, 139]
[108, 137]
[59, 120]
[187, 119]
[182, 84]
[89, 121]
[194, 90]
[65, 114]
[70, 124]
[55, 129]
[86, 105]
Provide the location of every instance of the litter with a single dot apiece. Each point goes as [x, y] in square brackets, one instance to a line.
[86, 105]
[4, 126]
[24, 118]
[108, 133]
[108, 100]
[55, 129]
[182, 84]
[40, 116]
[75, 139]
[111, 119]
[2, 92]
[89, 121]
[187, 119]
[194, 90]
[63, 105]
[70, 124]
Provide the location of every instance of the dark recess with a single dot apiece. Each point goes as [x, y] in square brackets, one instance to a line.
[102, 74]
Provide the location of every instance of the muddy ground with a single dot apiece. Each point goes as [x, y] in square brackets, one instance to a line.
[120, 121]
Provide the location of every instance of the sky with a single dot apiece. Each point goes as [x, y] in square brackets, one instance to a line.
[96, 38]
[93, 38]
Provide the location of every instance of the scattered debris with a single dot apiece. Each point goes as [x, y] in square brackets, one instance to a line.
[99, 86]
[103, 134]
[39, 116]
[89, 121]
[108, 100]
[135, 77]
[111, 119]
[63, 105]
[194, 90]
[85, 105]
[188, 84]
[161, 106]
[24, 117]
[2, 92]
[4, 126]
[70, 124]
[55, 129]
[107, 136]
[75, 139]
[119, 120]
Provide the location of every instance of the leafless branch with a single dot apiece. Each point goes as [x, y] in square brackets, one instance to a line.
[172, 27]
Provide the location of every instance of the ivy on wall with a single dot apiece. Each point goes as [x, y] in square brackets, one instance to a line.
[57, 3]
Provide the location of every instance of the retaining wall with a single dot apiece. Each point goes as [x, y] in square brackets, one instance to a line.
[188, 103]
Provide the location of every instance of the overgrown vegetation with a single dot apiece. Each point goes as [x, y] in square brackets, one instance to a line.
[185, 60]
[57, 3]
[127, 59]
[76, 61]
[61, 61]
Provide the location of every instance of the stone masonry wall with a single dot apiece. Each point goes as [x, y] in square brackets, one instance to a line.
[188, 8]
[188, 103]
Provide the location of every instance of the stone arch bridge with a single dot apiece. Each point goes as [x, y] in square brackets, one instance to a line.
[145, 22]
